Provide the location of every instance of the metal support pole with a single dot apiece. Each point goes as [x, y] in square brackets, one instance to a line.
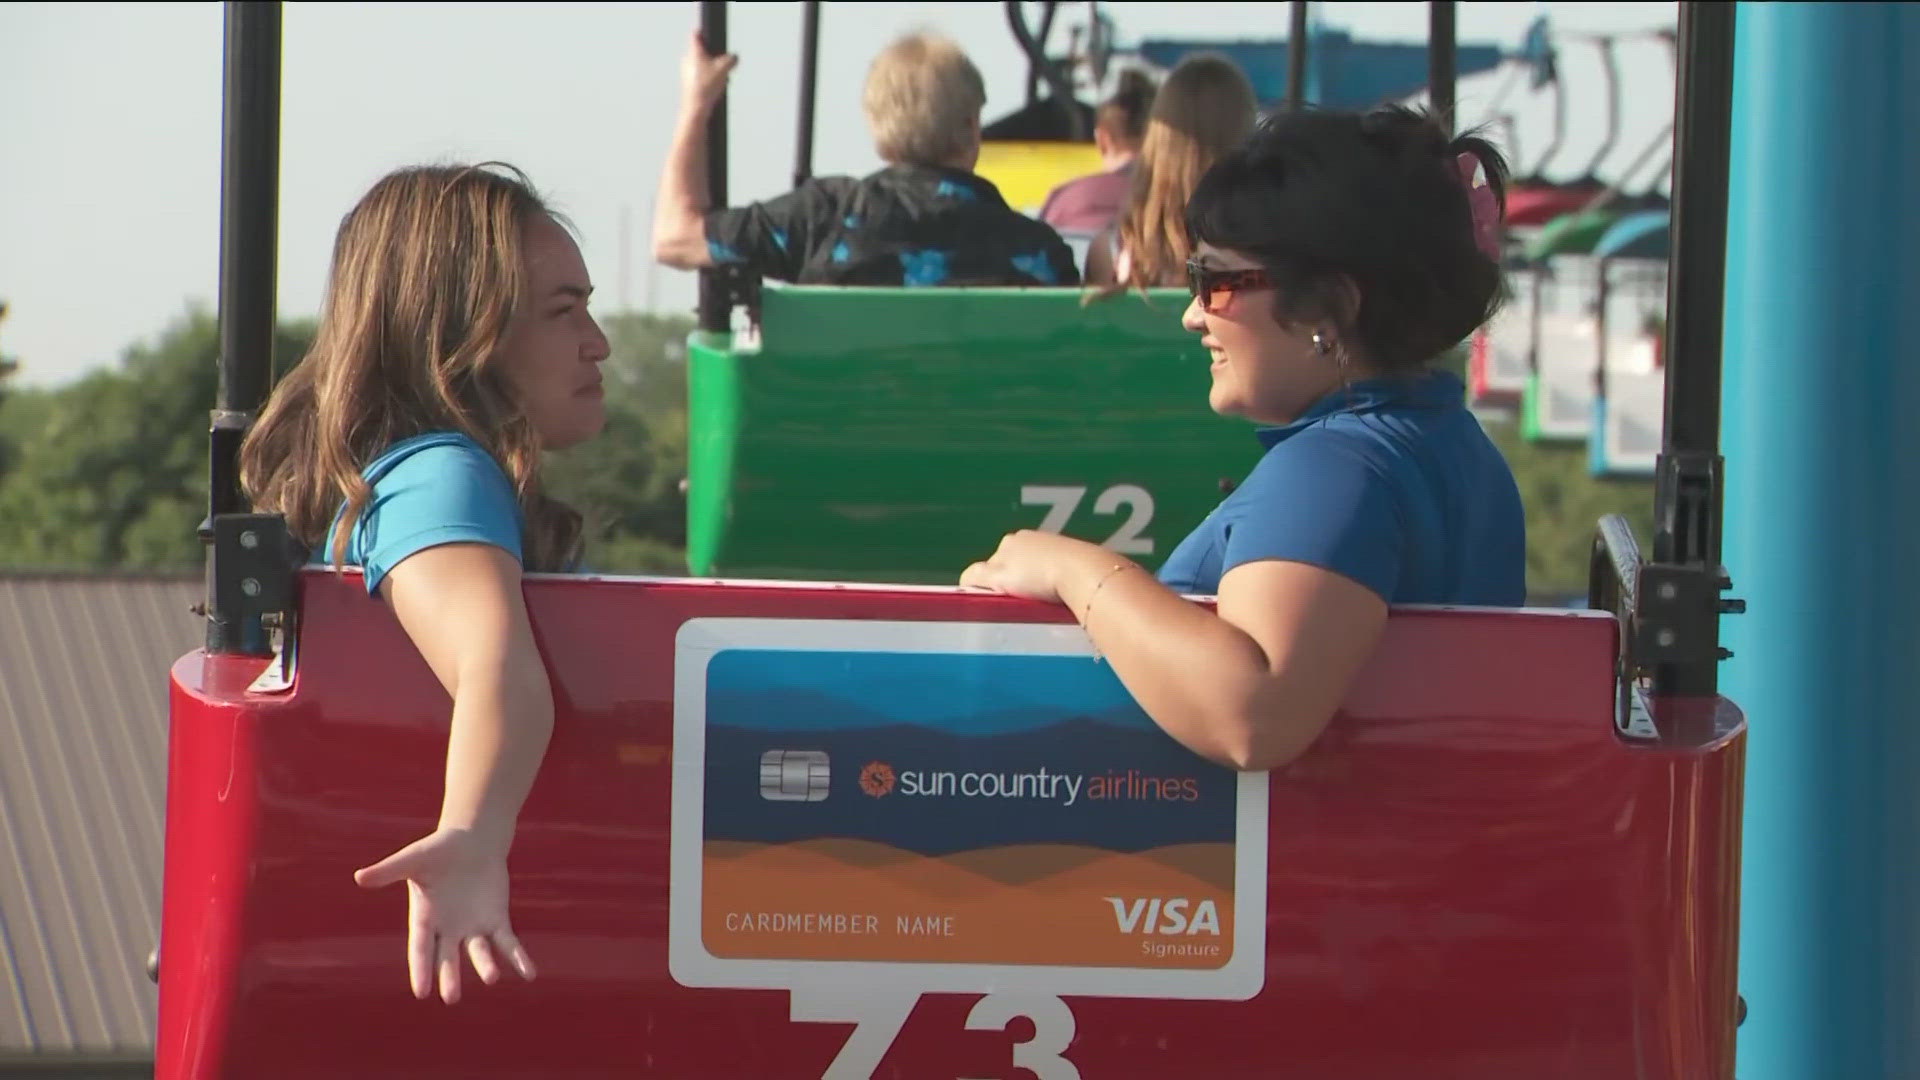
[1037, 57]
[1440, 60]
[716, 304]
[249, 222]
[809, 64]
[1702, 125]
[1822, 329]
[1685, 576]
[1297, 58]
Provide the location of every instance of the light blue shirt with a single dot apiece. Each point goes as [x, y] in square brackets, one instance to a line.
[1389, 482]
[438, 488]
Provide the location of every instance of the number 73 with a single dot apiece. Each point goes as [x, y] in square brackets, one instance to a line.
[1061, 500]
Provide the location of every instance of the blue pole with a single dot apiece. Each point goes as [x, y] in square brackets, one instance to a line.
[1822, 444]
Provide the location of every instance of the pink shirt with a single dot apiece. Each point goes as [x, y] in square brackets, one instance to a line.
[1088, 204]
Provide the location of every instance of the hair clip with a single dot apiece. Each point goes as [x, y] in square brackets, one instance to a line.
[1484, 205]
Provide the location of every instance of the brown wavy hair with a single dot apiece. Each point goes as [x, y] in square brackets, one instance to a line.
[428, 271]
[1204, 108]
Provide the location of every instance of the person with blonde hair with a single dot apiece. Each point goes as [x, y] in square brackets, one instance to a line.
[454, 348]
[1205, 108]
[924, 219]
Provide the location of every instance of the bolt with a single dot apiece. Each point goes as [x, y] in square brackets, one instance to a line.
[250, 586]
[1667, 590]
[1664, 639]
[249, 540]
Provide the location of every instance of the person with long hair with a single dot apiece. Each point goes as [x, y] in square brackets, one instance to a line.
[1336, 256]
[454, 348]
[1204, 108]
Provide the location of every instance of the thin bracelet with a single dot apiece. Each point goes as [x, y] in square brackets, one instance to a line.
[1086, 613]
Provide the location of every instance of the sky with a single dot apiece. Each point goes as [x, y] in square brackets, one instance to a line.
[110, 126]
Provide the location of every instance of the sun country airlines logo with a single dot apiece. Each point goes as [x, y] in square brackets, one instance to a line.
[877, 778]
[880, 778]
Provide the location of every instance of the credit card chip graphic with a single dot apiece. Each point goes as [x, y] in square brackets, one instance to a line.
[794, 775]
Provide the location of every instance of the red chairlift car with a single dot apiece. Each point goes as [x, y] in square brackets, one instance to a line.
[1515, 852]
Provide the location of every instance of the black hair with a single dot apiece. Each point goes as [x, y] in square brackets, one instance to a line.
[1376, 198]
[1132, 102]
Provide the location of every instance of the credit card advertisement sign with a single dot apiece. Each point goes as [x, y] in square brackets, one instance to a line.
[949, 806]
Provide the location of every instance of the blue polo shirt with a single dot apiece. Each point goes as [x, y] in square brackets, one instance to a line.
[1390, 482]
[432, 489]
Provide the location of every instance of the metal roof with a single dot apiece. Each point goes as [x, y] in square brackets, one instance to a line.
[83, 741]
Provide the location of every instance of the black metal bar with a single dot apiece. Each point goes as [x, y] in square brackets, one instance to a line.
[1615, 569]
[249, 213]
[1038, 55]
[1441, 40]
[249, 224]
[809, 63]
[1688, 480]
[1039, 68]
[1702, 139]
[716, 303]
[1297, 58]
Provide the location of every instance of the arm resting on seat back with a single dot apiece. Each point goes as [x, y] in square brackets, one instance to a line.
[462, 606]
[1250, 684]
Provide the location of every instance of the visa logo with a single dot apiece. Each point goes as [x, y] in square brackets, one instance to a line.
[1171, 915]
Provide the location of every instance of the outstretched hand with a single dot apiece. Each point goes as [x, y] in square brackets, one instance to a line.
[703, 77]
[457, 901]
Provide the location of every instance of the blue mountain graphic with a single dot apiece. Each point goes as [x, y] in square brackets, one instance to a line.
[922, 687]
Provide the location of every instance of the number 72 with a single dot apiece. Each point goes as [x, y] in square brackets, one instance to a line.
[1061, 500]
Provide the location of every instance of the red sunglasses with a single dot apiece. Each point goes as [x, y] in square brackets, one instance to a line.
[1212, 287]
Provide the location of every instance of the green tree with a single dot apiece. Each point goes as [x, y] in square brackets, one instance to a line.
[1564, 505]
[9, 367]
[112, 471]
[627, 482]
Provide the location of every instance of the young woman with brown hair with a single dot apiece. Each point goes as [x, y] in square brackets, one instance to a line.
[454, 348]
[1204, 109]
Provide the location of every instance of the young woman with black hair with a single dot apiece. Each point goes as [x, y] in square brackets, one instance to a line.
[1335, 255]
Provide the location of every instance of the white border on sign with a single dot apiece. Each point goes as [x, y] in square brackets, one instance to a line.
[688, 960]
